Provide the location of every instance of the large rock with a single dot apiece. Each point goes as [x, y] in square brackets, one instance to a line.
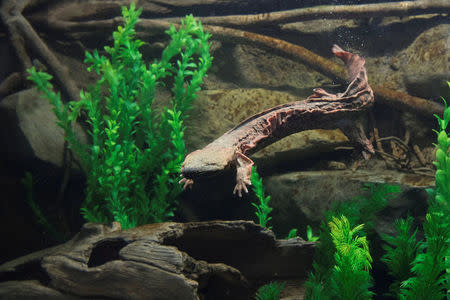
[301, 198]
[428, 66]
[29, 127]
[262, 68]
[205, 260]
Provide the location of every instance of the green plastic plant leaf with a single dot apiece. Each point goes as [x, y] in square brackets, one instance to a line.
[262, 207]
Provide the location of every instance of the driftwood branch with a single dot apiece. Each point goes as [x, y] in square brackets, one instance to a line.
[8, 13]
[158, 261]
[404, 101]
[11, 14]
[10, 84]
[405, 8]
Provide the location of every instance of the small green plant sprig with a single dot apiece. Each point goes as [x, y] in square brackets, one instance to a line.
[270, 291]
[262, 208]
[293, 233]
[41, 219]
[310, 235]
[350, 278]
[133, 163]
[401, 250]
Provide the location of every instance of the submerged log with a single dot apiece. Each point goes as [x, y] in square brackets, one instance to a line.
[212, 260]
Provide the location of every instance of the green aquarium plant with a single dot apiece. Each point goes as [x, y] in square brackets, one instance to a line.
[293, 233]
[133, 163]
[350, 278]
[431, 267]
[41, 219]
[270, 291]
[360, 210]
[401, 250]
[310, 237]
[317, 285]
[344, 274]
[262, 207]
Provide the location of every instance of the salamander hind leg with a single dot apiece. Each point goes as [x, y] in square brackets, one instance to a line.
[322, 95]
[243, 171]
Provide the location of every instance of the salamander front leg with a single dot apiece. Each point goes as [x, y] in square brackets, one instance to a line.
[187, 183]
[243, 171]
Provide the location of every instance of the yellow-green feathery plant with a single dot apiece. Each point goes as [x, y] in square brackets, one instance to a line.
[360, 210]
[350, 278]
[432, 265]
[133, 163]
[270, 291]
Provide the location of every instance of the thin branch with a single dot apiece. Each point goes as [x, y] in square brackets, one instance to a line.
[419, 155]
[397, 139]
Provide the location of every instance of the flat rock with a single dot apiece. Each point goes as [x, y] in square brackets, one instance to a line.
[301, 198]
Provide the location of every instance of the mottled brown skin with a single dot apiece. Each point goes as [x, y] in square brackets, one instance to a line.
[321, 110]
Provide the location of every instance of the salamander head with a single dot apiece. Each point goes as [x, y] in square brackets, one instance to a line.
[207, 162]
